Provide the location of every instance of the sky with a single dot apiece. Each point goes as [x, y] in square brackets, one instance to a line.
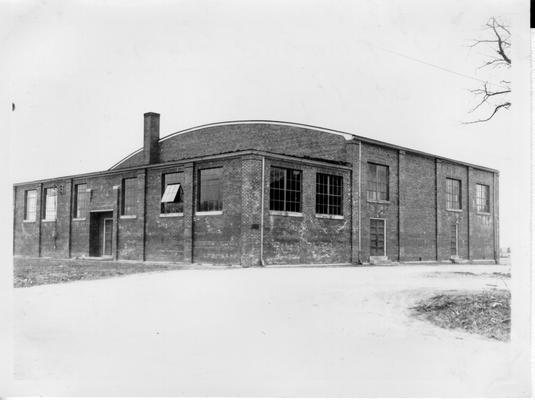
[82, 73]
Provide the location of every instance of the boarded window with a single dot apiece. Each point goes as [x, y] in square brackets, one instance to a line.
[378, 182]
[30, 205]
[453, 194]
[210, 193]
[51, 204]
[172, 193]
[81, 200]
[482, 198]
[129, 198]
[329, 194]
[285, 189]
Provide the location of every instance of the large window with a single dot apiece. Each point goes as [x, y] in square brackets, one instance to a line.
[378, 178]
[30, 203]
[453, 194]
[210, 194]
[285, 189]
[80, 200]
[172, 194]
[482, 198]
[129, 189]
[328, 194]
[51, 204]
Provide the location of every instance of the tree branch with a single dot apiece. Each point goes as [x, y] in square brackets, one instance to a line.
[504, 106]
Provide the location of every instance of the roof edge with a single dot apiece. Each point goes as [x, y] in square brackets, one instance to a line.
[347, 136]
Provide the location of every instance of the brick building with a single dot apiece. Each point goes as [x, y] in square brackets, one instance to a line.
[264, 192]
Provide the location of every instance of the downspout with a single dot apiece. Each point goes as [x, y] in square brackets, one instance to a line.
[360, 200]
[262, 189]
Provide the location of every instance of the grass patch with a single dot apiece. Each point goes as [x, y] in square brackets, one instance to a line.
[33, 272]
[486, 313]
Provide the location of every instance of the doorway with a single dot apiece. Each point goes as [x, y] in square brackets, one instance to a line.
[454, 240]
[377, 237]
[101, 234]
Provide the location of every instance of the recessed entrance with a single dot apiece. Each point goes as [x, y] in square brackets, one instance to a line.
[101, 234]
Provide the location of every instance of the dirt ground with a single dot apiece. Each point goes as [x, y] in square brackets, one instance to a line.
[256, 332]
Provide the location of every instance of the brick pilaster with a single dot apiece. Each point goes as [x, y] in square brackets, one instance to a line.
[189, 210]
[251, 208]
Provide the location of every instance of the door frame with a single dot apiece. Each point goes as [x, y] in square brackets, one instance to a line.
[104, 237]
[384, 236]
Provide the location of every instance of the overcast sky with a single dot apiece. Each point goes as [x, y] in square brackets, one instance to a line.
[82, 73]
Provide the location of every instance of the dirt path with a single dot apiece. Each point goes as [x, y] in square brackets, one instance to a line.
[273, 331]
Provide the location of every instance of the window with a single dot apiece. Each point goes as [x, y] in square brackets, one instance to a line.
[453, 194]
[30, 203]
[285, 190]
[210, 196]
[80, 200]
[482, 198]
[128, 205]
[328, 194]
[51, 204]
[378, 179]
[172, 193]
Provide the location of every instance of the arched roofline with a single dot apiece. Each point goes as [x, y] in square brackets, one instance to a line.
[345, 135]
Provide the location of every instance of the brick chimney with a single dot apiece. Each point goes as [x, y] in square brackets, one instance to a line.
[151, 135]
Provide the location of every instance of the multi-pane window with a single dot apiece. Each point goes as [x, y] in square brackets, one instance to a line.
[80, 200]
[285, 189]
[482, 198]
[378, 179]
[172, 193]
[128, 204]
[328, 194]
[453, 194]
[30, 205]
[51, 204]
[210, 193]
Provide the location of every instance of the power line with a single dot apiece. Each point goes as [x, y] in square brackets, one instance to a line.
[438, 66]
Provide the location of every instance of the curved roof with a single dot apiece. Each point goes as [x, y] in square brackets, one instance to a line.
[221, 137]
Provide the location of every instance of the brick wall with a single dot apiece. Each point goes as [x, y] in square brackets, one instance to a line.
[417, 208]
[482, 241]
[290, 239]
[233, 236]
[164, 233]
[385, 210]
[216, 238]
[287, 140]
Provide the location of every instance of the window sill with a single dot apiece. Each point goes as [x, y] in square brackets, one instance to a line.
[28, 221]
[379, 201]
[454, 210]
[78, 219]
[219, 212]
[483, 213]
[128, 217]
[286, 213]
[329, 216]
[169, 215]
[48, 220]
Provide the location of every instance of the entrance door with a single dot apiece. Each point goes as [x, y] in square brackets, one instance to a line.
[108, 232]
[377, 237]
[100, 233]
[454, 240]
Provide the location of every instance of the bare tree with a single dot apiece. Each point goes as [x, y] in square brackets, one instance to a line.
[494, 96]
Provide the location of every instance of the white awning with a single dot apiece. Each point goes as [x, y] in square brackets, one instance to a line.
[171, 191]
